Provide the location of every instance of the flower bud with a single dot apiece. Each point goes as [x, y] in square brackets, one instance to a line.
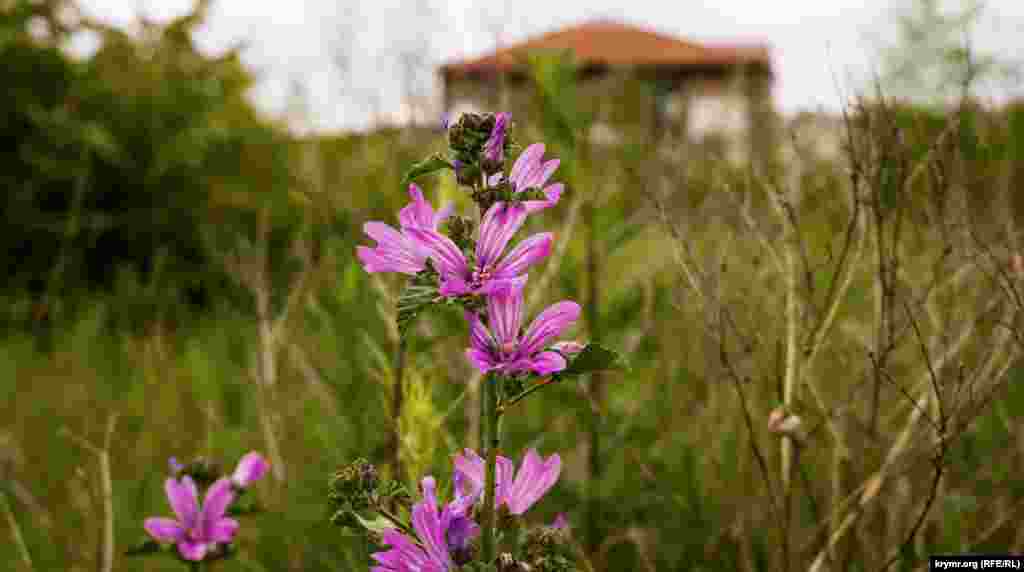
[460, 230]
[1017, 266]
[783, 423]
[492, 159]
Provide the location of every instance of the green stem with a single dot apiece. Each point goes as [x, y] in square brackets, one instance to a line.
[16, 531]
[490, 410]
[512, 401]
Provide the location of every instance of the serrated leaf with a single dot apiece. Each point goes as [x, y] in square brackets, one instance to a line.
[593, 357]
[377, 525]
[429, 165]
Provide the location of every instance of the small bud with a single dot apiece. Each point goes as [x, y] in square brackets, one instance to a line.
[783, 423]
[1017, 266]
[460, 230]
[493, 157]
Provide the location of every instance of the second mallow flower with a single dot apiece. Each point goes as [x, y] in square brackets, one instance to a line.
[517, 490]
[499, 346]
[444, 534]
[491, 270]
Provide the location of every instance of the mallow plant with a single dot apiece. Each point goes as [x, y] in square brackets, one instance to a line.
[201, 531]
[474, 519]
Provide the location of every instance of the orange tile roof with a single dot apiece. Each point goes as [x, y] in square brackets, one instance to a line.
[611, 43]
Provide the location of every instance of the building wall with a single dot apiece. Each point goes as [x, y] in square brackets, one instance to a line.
[630, 104]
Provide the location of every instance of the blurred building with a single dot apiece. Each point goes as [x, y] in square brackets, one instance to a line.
[636, 83]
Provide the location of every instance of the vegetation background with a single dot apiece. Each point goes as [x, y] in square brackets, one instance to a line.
[181, 281]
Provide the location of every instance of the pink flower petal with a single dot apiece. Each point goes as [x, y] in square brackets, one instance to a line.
[166, 530]
[481, 360]
[223, 531]
[546, 363]
[552, 193]
[418, 213]
[218, 497]
[505, 312]
[499, 225]
[194, 550]
[548, 325]
[479, 336]
[184, 500]
[453, 285]
[446, 255]
[526, 161]
[534, 479]
[524, 255]
[251, 467]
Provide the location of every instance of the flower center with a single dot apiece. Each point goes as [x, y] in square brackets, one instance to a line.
[507, 348]
[481, 275]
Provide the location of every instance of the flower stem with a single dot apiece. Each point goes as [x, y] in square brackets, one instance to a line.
[490, 412]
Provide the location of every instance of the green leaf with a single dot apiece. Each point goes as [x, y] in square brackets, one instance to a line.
[594, 357]
[413, 300]
[377, 525]
[429, 165]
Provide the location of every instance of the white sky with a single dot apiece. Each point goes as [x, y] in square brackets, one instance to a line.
[823, 50]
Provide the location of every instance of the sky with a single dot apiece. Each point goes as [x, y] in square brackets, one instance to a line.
[823, 51]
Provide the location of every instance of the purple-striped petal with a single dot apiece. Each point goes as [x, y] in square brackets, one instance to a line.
[218, 497]
[499, 225]
[542, 175]
[546, 363]
[404, 555]
[166, 530]
[453, 285]
[526, 161]
[481, 360]
[193, 550]
[427, 523]
[446, 255]
[479, 336]
[184, 500]
[495, 145]
[505, 315]
[568, 348]
[442, 215]
[524, 255]
[534, 479]
[223, 531]
[461, 531]
[251, 467]
[387, 261]
[470, 467]
[552, 193]
[548, 325]
[418, 213]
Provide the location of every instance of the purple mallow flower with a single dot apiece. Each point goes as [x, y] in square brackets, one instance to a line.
[516, 490]
[491, 270]
[494, 148]
[442, 535]
[530, 172]
[197, 531]
[251, 467]
[398, 251]
[501, 348]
